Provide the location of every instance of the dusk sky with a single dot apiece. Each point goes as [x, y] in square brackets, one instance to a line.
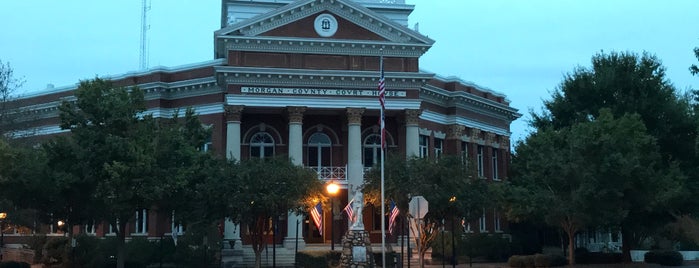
[519, 48]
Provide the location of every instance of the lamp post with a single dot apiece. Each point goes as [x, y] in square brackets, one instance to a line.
[332, 188]
[453, 248]
[3, 216]
[60, 225]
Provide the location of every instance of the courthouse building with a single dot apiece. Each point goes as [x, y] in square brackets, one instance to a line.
[299, 78]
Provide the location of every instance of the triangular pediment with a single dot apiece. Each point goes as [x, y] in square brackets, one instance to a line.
[355, 22]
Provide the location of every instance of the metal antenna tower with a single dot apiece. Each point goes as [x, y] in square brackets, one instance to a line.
[143, 52]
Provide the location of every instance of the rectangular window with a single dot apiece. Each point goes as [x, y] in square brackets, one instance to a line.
[175, 228]
[112, 229]
[466, 226]
[207, 146]
[424, 146]
[464, 152]
[479, 158]
[495, 164]
[438, 147]
[141, 222]
[90, 228]
[496, 220]
[481, 222]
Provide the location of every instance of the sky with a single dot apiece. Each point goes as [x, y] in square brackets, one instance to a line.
[519, 48]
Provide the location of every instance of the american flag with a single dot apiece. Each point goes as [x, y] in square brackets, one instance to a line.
[348, 209]
[382, 101]
[392, 217]
[317, 215]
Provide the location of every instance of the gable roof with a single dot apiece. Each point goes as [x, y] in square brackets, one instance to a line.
[346, 9]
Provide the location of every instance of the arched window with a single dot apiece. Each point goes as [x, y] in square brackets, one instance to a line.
[319, 150]
[372, 150]
[261, 145]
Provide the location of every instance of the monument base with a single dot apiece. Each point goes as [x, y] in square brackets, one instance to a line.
[356, 250]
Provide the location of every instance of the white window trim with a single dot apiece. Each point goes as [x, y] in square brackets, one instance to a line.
[177, 229]
[496, 221]
[494, 160]
[479, 160]
[482, 223]
[424, 150]
[143, 228]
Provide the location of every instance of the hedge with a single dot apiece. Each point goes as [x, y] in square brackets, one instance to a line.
[664, 257]
[537, 260]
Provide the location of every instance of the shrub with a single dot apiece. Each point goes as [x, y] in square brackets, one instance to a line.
[390, 257]
[582, 255]
[14, 264]
[538, 260]
[516, 261]
[558, 260]
[312, 259]
[663, 257]
[140, 250]
[442, 246]
[55, 250]
[541, 260]
[602, 258]
[37, 243]
[492, 247]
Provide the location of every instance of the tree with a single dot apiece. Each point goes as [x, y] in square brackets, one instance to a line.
[449, 185]
[9, 84]
[589, 171]
[627, 83]
[256, 192]
[132, 160]
[694, 69]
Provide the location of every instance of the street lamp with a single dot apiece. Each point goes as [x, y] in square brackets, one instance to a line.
[3, 216]
[60, 226]
[332, 189]
[453, 248]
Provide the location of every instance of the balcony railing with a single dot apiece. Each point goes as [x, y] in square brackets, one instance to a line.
[330, 173]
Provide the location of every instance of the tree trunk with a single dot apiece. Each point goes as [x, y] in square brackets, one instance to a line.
[121, 245]
[571, 246]
[258, 259]
[625, 244]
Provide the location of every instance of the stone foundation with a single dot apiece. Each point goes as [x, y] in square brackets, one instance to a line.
[356, 250]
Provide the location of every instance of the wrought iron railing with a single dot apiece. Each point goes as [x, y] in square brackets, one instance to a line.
[330, 173]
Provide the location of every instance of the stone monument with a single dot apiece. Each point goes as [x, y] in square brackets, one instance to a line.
[356, 246]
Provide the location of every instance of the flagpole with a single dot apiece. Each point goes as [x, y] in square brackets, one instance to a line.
[383, 202]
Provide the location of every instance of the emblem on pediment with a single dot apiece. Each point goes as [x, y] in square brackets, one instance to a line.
[325, 25]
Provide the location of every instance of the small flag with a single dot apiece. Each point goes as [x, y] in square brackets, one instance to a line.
[348, 210]
[317, 215]
[393, 216]
[382, 101]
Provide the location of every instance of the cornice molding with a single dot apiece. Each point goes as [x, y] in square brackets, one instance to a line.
[452, 119]
[323, 46]
[318, 78]
[319, 102]
[466, 101]
[349, 10]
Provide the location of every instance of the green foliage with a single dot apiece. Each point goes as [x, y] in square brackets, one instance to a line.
[254, 191]
[694, 69]
[56, 249]
[492, 247]
[626, 84]
[448, 184]
[583, 256]
[664, 257]
[316, 258]
[536, 260]
[442, 245]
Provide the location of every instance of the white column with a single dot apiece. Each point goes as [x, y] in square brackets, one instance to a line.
[296, 155]
[355, 170]
[231, 231]
[412, 133]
